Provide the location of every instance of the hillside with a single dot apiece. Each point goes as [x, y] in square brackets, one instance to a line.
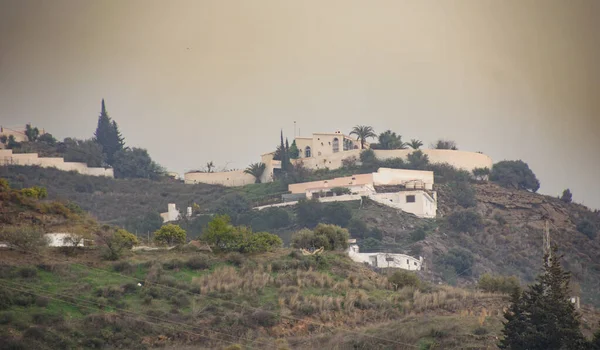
[282, 299]
[508, 241]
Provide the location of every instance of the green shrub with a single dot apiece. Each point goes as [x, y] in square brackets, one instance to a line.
[370, 244]
[181, 300]
[170, 235]
[567, 196]
[418, 160]
[460, 259]
[330, 237]
[235, 258]
[468, 221]
[357, 228]
[6, 317]
[28, 238]
[418, 235]
[501, 284]
[463, 193]
[588, 228]
[223, 236]
[338, 191]
[403, 278]
[264, 318]
[336, 213]
[514, 174]
[445, 173]
[481, 331]
[23, 299]
[173, 264]
[43, 318]
[6, 298]
[260, 242]
[199, 262]
[27, 272]
[41, 301]
[308, 213]
[123, 266]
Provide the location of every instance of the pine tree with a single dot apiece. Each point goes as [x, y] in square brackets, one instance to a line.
[544, 317]
[108, 136]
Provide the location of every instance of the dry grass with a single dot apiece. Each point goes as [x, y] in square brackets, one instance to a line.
[228, 279]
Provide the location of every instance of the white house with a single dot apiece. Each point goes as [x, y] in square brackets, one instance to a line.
[172, 213]
[385, 260]
[64, 240]
[412, 190]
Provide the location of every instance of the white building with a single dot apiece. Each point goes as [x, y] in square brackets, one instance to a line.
[64, 240]
[385, 260]
[172, 213]
[412, 189]
[326, 143]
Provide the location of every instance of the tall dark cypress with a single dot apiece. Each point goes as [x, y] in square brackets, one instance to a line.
[284, 156]
[108, 136]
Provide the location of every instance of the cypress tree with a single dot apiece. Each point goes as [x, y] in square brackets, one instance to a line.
[108, 136]
[543, 317]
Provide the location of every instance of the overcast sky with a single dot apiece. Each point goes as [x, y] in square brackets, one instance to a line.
[211, 80]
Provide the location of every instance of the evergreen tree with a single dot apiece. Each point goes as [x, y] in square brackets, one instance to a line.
[108, 136]
[543, 317]
[294, 151]
[596, 341]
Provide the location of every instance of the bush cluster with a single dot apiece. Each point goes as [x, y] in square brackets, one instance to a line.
[330, 237]
[403, 278]
[467, 220]
[222, 236]
[501, 284]
[460, 260]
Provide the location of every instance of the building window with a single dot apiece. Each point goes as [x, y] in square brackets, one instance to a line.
[307, 152]
[407, 262]
[415, 263]
[410, 198]
[336, 145]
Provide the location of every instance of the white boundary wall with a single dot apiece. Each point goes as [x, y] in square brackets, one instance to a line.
[7, 157]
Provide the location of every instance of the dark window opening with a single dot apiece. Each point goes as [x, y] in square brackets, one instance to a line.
[410, 199]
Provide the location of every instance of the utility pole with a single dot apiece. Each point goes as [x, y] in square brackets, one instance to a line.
[294, 129]
[547, 249]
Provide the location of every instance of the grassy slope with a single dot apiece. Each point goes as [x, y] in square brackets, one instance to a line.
[309, 303]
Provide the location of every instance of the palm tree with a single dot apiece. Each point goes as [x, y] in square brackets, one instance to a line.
[415, 144]
[389, 140]
[209, 166]
[256, 170]
[362, 133]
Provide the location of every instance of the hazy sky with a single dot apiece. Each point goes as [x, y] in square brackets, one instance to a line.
[201, 80]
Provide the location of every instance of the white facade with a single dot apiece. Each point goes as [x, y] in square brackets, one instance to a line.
[418, 202]
[324, 144]
[385, 260]
[172, 214]
[63, 240]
